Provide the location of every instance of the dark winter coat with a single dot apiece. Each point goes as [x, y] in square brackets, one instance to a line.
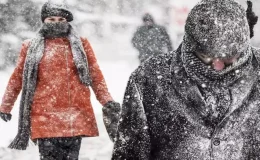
[163, 116]
[61, 105]
[151, 40]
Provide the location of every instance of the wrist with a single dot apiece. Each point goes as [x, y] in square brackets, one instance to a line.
[5, 109]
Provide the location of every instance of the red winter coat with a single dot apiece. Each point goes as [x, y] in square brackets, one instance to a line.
[61, 104]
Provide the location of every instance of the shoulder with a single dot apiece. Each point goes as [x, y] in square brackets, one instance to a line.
[159, 61]
[162, 66]
[162, 28]
[154, 68]
[155, 25]
[25, 46]
[140, 28]
[84, 40]
[86, 44]
[26, 42]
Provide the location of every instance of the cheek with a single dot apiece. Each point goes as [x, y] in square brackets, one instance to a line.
[47, 21]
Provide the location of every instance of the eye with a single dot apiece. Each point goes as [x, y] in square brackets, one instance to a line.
[61, 19]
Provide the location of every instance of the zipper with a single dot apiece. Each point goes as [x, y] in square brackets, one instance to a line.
[69, 92]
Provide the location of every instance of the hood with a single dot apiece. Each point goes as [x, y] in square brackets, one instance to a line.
[218, 28]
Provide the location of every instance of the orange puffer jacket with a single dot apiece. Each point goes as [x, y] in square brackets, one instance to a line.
[61, 104]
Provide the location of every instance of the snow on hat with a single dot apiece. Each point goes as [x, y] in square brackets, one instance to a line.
[56, 8]
[218, 28]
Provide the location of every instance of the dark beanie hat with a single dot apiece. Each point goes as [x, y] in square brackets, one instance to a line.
[52, 8]
[217, 28]
[147, 18]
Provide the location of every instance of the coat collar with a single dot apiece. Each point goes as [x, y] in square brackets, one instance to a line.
[184, 86]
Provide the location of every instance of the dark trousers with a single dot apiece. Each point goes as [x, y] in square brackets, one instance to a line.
[64, 148]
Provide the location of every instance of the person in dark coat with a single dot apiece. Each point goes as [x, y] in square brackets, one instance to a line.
[201, 102]
[55, 71]
[151, 39]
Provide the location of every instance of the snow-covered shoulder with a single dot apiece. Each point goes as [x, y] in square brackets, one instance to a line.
[27, 42]
[154, 69]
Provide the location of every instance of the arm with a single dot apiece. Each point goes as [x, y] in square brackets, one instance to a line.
[137, 40]
[15, 82]
[133, 140]
[134, 39]
[99, 85]
[167, 39]
[111, 109]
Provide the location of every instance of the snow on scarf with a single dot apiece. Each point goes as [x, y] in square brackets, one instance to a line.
[34, 55]
[206, 76]
[217, 28]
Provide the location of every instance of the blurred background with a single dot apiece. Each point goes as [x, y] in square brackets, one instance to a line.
[109, 25]
[107, 22]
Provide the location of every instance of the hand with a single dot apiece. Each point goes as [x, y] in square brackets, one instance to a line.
[6, 116]
[111, 115]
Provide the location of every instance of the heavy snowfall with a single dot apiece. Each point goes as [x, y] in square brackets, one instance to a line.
[109, 27]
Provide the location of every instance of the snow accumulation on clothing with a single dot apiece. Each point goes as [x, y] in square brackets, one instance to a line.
[97, 148]
[178, 107]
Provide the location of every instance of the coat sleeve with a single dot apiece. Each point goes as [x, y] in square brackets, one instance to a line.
[167, 39]
[99, 85]
[14, 85]
[137, 40]
[133, 139]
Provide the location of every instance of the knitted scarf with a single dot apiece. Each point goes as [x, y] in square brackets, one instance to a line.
[218, 85]
[206, 76]
[34, 55]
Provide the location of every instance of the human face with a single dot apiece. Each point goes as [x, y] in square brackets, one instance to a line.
[217, 63]
[54, 19]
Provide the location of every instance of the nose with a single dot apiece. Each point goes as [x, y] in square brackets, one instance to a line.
[218, 64]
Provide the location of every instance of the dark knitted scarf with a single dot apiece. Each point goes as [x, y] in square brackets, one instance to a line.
[206, 76]
[34, 55]
[216, 86]
[55, 30]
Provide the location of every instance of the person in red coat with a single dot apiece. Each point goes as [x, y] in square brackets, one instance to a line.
[55, 71]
